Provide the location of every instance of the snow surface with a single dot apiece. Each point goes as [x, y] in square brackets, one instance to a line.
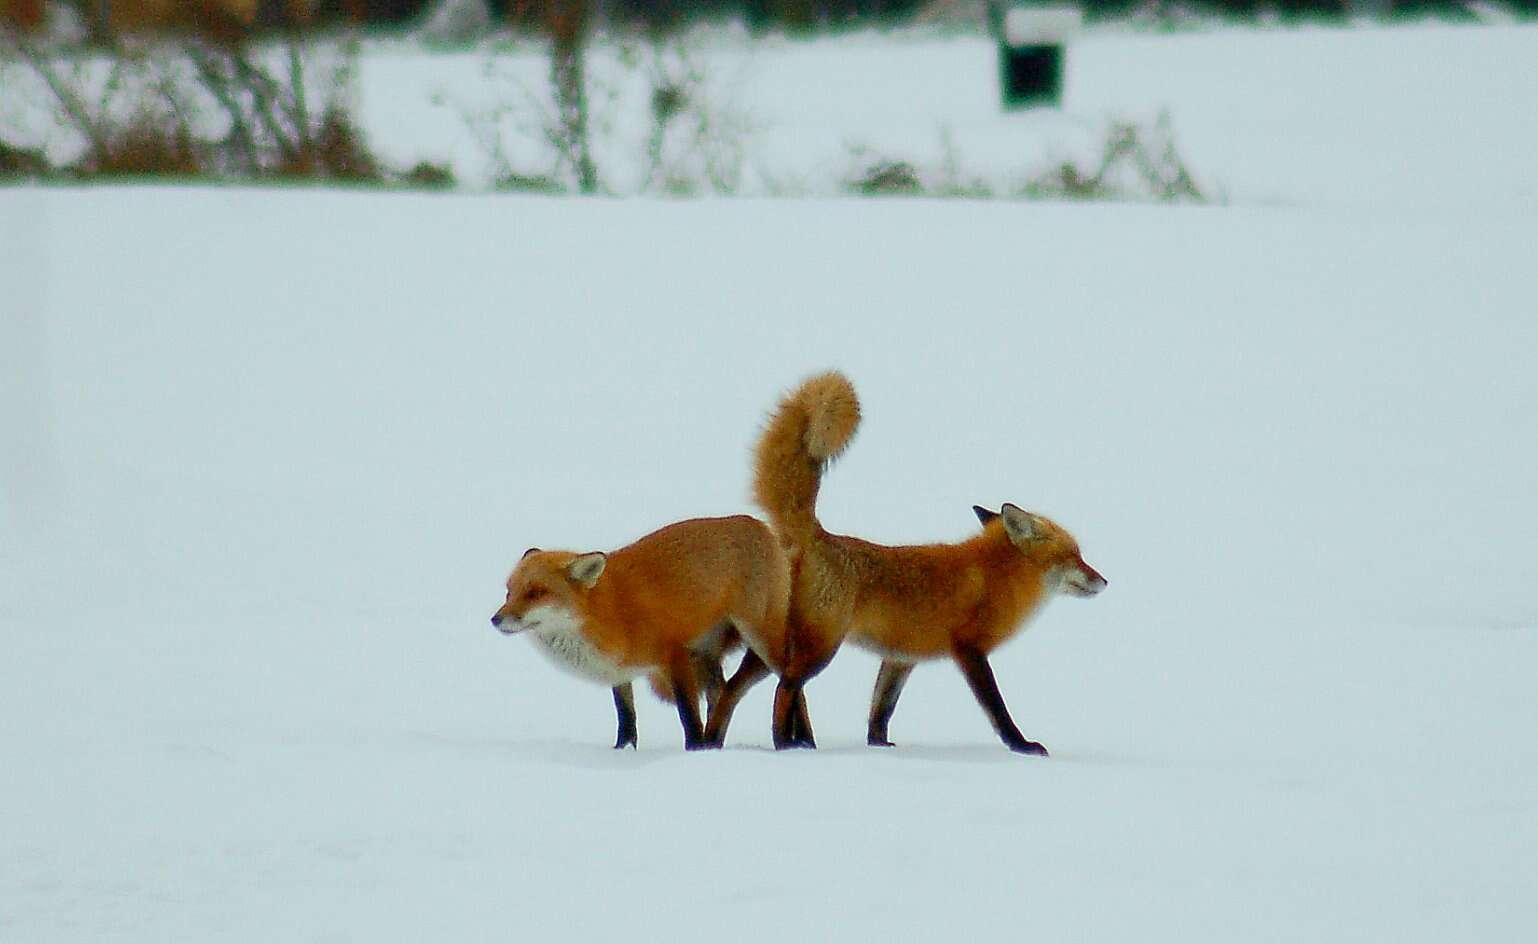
[266, 457]
[282, 447]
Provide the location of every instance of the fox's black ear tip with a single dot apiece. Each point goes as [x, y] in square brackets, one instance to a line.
[532, 550]
[983, 514]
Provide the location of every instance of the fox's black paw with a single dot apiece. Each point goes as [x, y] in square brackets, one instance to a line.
[1029, 747]
[878, 742]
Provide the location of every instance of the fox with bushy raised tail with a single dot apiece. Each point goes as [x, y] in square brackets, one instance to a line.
[908, 603]
[669, 605]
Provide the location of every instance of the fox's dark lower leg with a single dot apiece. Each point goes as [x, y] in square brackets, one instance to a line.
[792, 723]
[974, 665]
[789, 704]
[801, 723]
[686, 696]
[883, 700]
[808, 655]
[748, 674]
[624, 710]
[707, 668]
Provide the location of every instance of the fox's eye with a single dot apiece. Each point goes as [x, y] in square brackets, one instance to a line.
[533, 593]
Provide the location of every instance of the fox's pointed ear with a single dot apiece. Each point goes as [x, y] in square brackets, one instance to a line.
[983, 514]
[532, 550]
[1021, 525]
[587, 569]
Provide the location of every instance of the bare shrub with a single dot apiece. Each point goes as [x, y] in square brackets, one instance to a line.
[694, 141]
[487, 126]
[286, 118]
[198, 97]
[1135, 162]
[513, 182]
[679, 136]
[335, 150]
[428, 175]
[149, 144]
[540, 137]
[953, 179]
[124, 108]
[885, 177]
[22, 162]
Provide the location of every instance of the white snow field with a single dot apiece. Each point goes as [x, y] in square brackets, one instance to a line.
[283, 446]
[266, 457]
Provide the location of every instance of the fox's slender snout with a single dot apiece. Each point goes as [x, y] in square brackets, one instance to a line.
[1084, 581]
[505, 623]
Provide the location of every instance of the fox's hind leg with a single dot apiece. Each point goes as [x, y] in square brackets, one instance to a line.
[801, 723]
[792, 723]
[749, 673]
[883, 700]
[787, 699]
[624, 709]
[974, 665]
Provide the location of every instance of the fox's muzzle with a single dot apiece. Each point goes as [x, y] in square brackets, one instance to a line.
[1086, 582]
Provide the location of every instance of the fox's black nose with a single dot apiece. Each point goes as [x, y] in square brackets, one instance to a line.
[496, 619]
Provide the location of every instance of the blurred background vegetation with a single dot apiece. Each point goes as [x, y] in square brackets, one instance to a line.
[267, 90]
[103, 17]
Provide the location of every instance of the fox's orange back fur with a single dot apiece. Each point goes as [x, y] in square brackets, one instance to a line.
[909, 602]
[921, 602]
[667, 592]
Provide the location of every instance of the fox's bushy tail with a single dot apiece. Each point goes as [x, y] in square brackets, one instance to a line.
[806, 432]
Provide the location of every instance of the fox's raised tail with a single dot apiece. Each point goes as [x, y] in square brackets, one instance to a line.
[807, 431]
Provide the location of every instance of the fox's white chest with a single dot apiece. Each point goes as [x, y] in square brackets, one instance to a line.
[570, 651]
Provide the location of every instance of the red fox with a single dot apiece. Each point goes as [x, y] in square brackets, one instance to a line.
[707, 658]
[668, 605]
[906, 603]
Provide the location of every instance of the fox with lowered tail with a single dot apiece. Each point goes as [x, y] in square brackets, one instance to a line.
[669, 605]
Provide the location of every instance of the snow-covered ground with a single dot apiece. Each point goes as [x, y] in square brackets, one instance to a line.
[265, 458]
[288, 444]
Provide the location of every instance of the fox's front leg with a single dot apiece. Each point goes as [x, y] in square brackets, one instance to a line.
[883, 700]
[686, 696]
[707, 668]
[624, 710]
[974, 665]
